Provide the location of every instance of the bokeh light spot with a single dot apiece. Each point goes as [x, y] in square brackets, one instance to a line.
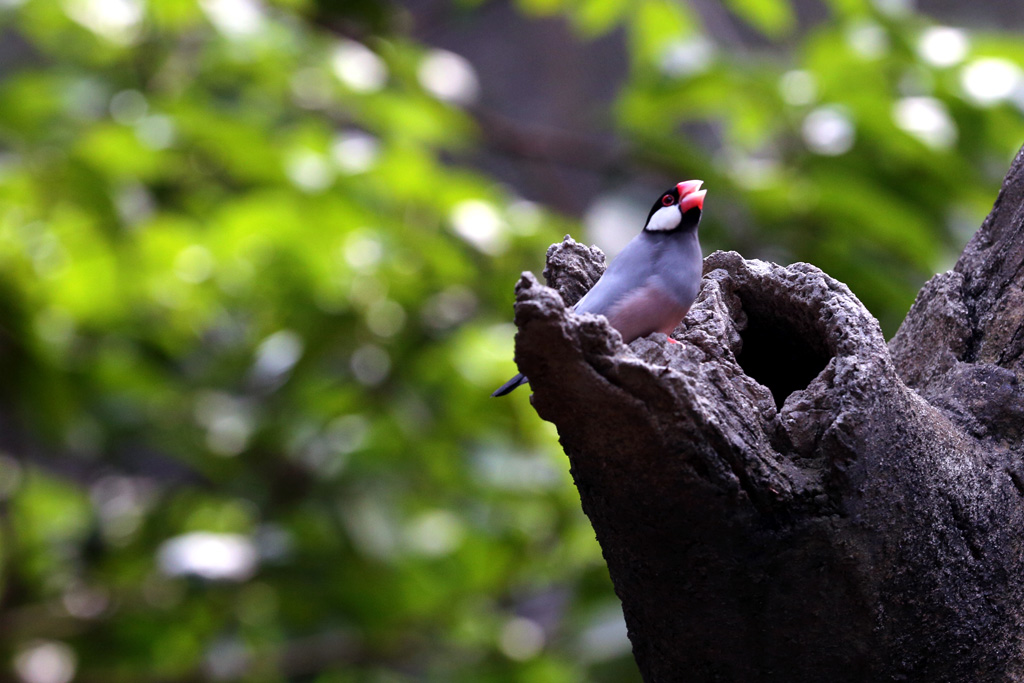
[229, 422]
[449, 77]
[354, 151]
[235, 18]
[118, 21]
[362, 250]
[867, 39]
[828, 131]
[385, 318]
[46, 661]
[215, 556]
[358, 67]
[943, 46]
[798, 87]
[479, 223]
[156, 131]
[894, 8]
[128, 106]
[687, 57]
[612, 221]
[193, 264]
[435, 533]
[309, 171]
[990, 80]
[370, 364]
[927, 119]
[521, 639]
[278, 353]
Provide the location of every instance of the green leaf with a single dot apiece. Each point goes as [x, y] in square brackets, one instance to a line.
[656, 25]
[594, 17]
[541, 7]
[774, 18]
[847, 8]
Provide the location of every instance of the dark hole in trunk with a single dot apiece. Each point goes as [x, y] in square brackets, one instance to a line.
[778, 356]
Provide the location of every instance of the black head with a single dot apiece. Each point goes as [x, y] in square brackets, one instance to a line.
[678, 208]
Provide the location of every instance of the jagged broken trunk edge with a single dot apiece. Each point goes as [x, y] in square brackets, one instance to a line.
[823, 523]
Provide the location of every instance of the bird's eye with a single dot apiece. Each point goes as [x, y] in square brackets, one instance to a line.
[667, 200]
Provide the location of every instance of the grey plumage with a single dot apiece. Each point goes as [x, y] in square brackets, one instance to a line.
[653, 282]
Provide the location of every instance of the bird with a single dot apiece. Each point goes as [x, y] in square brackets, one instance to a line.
[650, 286]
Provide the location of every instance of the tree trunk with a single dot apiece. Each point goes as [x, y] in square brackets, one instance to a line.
[784, 497]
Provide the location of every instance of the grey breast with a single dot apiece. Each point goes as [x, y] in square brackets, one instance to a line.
[649, 286]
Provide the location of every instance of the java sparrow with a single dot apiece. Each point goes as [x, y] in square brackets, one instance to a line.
[652, 283]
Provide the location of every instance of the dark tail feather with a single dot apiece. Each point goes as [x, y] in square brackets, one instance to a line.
[510, 385]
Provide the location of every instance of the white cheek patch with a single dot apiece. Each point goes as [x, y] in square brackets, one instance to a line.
[665, 218]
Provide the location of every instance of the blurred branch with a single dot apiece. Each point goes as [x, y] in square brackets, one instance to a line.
[551, 150]
[513, 138]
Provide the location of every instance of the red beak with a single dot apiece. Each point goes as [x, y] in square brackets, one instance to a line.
[690, 195]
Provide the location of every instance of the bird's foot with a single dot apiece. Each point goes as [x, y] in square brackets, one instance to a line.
[672, 340]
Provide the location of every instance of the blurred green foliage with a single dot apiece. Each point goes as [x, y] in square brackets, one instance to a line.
[251, 318]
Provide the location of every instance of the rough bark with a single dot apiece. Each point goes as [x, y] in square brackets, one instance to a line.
[783, 496]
